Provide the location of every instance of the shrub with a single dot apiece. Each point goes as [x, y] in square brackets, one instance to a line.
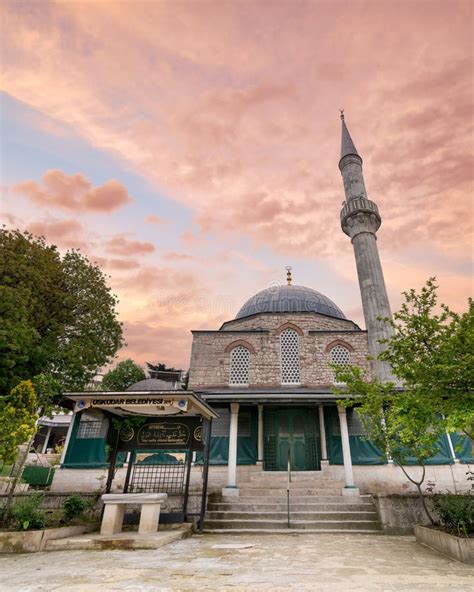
[27, 514]
[73, 507]
[456, 512]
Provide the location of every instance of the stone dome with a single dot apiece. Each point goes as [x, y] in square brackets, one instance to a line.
[290, 299]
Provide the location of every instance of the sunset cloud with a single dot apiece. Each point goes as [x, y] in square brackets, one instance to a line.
[228, 114]
[74, 193]
[121, 245]
[153, 219]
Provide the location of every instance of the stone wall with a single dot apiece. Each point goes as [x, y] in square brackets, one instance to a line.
[399, 513]
[210, 358]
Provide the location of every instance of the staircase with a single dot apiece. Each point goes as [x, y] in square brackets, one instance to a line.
[316, 506]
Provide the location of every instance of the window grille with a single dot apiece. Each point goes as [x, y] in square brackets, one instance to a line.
[354, 425]
[290, 357]
[221, 425]
[243, 428]
[89, 429]
[161, 472]
[239, 366]
[340, 355]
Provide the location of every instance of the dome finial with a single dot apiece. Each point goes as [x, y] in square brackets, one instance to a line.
[288, 275]
[342, 113]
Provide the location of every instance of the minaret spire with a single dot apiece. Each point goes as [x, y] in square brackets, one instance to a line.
[360, 220]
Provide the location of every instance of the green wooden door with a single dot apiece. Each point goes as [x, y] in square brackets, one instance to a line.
[291, 430]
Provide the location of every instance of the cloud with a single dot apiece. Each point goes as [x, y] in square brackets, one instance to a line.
[153, 219]
[74, 193]
[66, 233]
[120, 245]
[232, 112]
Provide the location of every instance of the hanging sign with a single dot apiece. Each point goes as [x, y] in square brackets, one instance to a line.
[170, 433]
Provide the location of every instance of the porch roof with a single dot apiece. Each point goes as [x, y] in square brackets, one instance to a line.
[271, 395]
[141, 403]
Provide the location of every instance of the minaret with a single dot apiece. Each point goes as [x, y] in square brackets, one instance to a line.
[360, 219]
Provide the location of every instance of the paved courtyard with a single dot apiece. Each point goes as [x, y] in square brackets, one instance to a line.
[320, 563]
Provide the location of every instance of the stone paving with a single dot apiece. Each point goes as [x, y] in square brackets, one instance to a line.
[320, 563]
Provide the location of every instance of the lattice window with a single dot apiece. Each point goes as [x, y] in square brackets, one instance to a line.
[243, 428]
[89, 430]
[290, 357]
[354, 425]
[340, 355]
[221, 425]
[239, 366]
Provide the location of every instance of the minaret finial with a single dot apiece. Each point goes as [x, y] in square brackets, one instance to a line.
[288, 275]
[342, 113]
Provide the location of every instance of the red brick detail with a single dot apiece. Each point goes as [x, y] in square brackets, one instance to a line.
[241, 342]
[281, 328]
[339, 342]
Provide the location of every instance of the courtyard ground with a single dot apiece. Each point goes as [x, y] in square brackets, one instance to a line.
[320, 563]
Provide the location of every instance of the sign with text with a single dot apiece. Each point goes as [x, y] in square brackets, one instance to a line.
[169, 433]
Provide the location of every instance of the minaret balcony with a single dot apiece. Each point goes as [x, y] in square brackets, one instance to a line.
[360, 215]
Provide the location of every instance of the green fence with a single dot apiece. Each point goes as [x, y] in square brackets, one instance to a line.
[38, 476]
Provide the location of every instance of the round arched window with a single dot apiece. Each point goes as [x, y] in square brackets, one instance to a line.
[340, 355]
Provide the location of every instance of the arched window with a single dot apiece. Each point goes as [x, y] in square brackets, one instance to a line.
[290, 357]
[239, 366]
[340, 355]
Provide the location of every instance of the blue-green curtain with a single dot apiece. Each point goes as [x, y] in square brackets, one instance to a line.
[364, 452]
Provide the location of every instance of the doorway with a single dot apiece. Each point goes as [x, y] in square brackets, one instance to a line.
[295, 431]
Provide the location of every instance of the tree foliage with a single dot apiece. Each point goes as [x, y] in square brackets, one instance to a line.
[160, 367]
[432, 354]
[18, 419]
[122, 376]
[57, 315]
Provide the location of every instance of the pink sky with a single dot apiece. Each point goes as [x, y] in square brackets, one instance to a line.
[191, 148]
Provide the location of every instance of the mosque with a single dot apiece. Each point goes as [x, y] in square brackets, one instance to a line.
[267, 377]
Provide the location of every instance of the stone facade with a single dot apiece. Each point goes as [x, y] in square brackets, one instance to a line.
[210, 357]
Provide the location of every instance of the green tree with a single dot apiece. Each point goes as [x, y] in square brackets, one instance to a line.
[18, 419]
[431, 353]
[160, 367]
[122, 376]
[398, 423]
[17, 426]
[57, 315]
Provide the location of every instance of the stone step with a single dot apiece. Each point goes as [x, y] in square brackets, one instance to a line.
[294, 515]
[303, 491]
[281, 507]
[322, 484]
[291, 531]
[254, 524]
[295, 476]
[281, 499]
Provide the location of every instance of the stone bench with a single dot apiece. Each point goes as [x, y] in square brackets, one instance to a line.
[114, 510]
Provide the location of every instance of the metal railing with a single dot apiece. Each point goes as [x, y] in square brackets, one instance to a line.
[288, 481]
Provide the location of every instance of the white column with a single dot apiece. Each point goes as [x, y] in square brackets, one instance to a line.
[45, 443]
[260, 434]
[451, 448]
[231, 487]
[349, 488]
[322, 433]
[68, 438]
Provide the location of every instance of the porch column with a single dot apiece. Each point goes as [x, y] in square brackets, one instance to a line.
[46, 440]
[68, 438]
[322, 433]
[260, 434]
[231, 487]
[349, 488]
